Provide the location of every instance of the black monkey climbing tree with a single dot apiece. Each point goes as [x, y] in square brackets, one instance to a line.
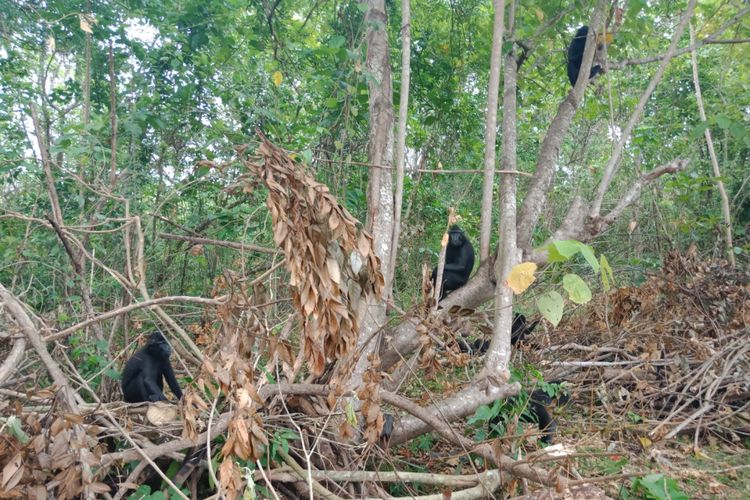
[459, 261]
[575, 56]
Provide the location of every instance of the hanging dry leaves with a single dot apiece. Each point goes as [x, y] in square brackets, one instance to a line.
[331, 263]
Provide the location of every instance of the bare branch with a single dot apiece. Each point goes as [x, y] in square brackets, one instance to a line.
[403, 111]
[132, 307]
[219, 243]
[549, 152]
[711, 39]
[616, 158]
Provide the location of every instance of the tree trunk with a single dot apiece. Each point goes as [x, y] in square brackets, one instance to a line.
[490, 132]
[403, 112]
[498, 355]
[712, 155]
[380, 187]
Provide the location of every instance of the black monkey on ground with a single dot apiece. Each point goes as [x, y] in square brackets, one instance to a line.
[519, 331]
[144, 373]
[536, 411]
[459, 261]
[575, 56]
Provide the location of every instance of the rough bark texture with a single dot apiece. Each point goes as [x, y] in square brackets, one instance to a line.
[380, 187]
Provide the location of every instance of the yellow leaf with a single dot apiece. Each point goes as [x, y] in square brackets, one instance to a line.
[277, 77]
[539, 14]
[645, 442]
[607, 38]
[521, 277]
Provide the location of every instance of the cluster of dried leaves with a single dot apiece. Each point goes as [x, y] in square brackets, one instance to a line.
[54, 455]
[674, 350]
[231, 366]
[331, 263]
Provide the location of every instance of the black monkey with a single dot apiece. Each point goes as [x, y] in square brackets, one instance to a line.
[459, 261]
[575, 56]
[144, 373]
[536, 412]
[518, 332]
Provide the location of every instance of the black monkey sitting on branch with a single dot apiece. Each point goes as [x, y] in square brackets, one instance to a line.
[459, 261]
[144, 373]
[575, 56]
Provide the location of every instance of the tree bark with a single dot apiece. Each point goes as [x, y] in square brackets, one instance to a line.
[380, 186]
[490, 131]
[403, 113]
[498, 355]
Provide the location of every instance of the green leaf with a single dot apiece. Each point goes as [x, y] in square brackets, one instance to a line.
[351, 415]
[14, 426]
[336, 42]
[588, 254]
[551, 305]
[699, 130]
[607, 276]
[560, 251]
[577, 289]
[332, 102]
[723, 122]
[737, 131]
[483, 414]
[660, 487]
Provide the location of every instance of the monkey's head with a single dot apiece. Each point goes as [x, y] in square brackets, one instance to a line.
[158, 345]
[456, 237]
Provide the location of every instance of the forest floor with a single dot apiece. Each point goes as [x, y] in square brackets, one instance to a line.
[659, 378]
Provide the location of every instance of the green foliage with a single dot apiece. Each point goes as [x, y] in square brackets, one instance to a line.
[144, 493]
[551, 304]
[91, 359]
[656, 487]
[505, 412]
[15, 429]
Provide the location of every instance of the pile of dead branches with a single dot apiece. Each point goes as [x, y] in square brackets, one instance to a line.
[672, 354]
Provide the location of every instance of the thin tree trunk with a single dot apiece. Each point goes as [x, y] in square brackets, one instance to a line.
[712, 154]
[490, 131]
[498, 354]
[403, 112]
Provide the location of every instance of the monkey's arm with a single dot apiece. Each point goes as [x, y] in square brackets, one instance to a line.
[172, 380]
